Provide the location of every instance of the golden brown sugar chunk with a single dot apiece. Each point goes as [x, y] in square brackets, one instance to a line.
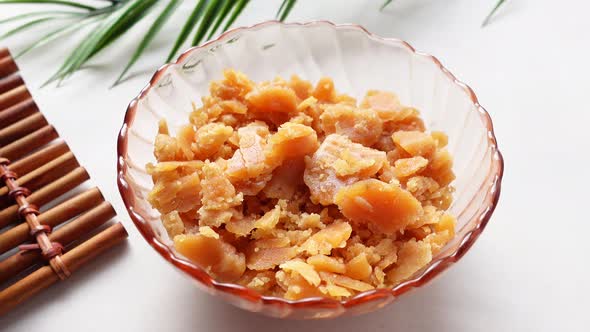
[351, 158]
[345, 282]
[345, 99]
[412, 256]
[266, 224]
[208, 232]
[249, 160]
[387, 206]
[446, 223]
[227, 111]
[293, 190]
[404, 119]
[326, 263]
[440, 168]
[219, 198]
[291, 141]
[303, 269]
[163, 127]
[441, 138]
[261, 281]
[418, 233]
[271, 99]
[335, 291]
[272, 242]
[234, 85]
[241, 226]
[339, 162]
[415, 143]
[360, 125]
[395, 116]
[348, 164]
[387, 260]
[166, 148]
[295, 286]
[171, 170]
[181, 194]
[185, 139]
[324, 90]
[301, 87]
[333, 236]
[422, 187]
[384, 143]
[387, 173]
[296, 237]
[356, 247]
[444, 232]
[409, 166]
[268, 258]
[309, 221]
[286, 179]
[310, 109]
[214, 255]
[173, 224]
[252, 186]
[210, 139]
[386, 104]
[359, 267]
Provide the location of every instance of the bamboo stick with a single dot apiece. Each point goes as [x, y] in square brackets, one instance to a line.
[73, 259]
[14, 96]
[22, 128]
[65, 235]
[18, 111]
[10, 82]
[41, 176]
[53, 217]
[46, 194]
[29, 143]
[7, 66]
[33, 161]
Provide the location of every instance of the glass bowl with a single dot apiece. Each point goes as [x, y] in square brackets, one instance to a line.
[357, 61]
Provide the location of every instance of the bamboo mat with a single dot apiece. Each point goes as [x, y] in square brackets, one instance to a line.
[50, 223]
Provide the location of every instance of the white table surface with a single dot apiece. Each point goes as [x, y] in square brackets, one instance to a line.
[529, 271]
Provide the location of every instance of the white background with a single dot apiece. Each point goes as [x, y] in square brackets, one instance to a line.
[529, 271]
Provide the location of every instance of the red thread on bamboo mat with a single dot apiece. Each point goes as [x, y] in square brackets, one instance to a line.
[51, 251]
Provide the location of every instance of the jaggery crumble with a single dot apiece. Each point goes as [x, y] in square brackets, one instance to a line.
[296, 190]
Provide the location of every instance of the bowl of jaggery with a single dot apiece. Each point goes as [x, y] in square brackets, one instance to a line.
[308, 170]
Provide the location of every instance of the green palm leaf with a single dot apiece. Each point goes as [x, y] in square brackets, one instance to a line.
[286, 8]
[128, 20]
[208, 17]
[52, 2]
[116, 23]
[239, 7]
[187, 28]
[491, 14]
[385, 4]
[225, 10]
[56, 13]
[149, 36]
[283, 4]
[54, 34]
[25, 26]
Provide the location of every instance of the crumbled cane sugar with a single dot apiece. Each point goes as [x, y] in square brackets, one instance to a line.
[297, 191]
